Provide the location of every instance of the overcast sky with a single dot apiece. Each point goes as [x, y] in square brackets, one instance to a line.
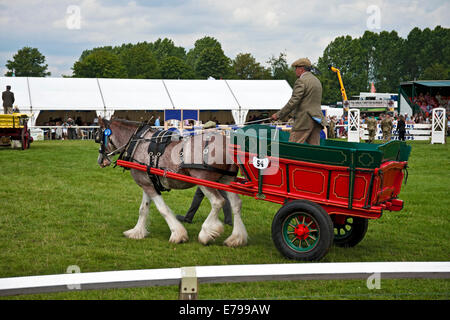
[62, 29]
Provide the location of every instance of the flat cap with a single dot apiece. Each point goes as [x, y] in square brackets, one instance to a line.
[302, 62]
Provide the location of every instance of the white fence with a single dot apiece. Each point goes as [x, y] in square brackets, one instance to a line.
[56, 132]
[413, 132]
[221, 274]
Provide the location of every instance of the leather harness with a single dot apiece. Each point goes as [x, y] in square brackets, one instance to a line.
[156, 148]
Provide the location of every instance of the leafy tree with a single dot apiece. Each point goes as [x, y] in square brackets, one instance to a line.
[348, 56]
[436, 71]
[385, 59]
[166, 48]
[115, 50]
[389, 61]
[245, 67]
[411, 55]
[175, 68]
[199, 46]
[99, 64]
[139, 62]
[281, 70]
[27, 62]
[87, 52]
[369, 42]
[422, 50]
[212, 62]
[208, 59]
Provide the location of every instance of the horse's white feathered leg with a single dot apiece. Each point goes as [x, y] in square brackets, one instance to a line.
[179, 233]
[239, 235]
[140, 230]
[212, 227]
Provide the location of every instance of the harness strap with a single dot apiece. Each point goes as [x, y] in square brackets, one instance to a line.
[205, 165]
[156, 182]
[208, 167]
[141, 131]
[156, 148]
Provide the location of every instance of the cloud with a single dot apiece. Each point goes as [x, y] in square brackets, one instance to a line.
[262, 28]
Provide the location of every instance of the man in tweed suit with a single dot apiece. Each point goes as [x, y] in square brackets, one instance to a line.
[305, 104]
[8, 100]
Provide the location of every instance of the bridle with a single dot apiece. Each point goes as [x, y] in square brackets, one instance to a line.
[103, 138]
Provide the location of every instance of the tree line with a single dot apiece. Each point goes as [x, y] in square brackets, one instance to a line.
[384, 58]
[162, 59]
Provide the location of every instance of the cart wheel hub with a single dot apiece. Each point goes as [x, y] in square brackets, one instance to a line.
[301, 231]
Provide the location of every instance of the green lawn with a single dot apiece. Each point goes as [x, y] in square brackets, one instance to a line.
[59, 208]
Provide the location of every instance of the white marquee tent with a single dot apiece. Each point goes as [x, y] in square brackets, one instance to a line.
[105, 96]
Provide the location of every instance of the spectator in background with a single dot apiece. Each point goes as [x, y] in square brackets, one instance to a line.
[341, 129]
[65, 131]
[8, 100]
[386, 127]
[60, 132]
[448, 125]
[371, 128]
[401, 128]
[71, 131]
[332, 128]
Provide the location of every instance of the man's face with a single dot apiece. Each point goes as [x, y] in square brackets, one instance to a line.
[299, 71]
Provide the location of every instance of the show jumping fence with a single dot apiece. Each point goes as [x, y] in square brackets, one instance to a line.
[188, 278]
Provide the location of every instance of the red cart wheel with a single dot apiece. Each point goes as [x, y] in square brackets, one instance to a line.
[302, 230]
[349, 231]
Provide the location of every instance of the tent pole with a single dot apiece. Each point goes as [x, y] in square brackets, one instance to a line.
[31, 104]
[101, 95]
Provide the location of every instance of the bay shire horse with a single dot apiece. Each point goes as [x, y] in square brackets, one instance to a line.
[137, 142]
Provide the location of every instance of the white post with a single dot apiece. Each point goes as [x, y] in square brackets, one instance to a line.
[353, 125]
[438, 126]
[239, 116]
[106, 114]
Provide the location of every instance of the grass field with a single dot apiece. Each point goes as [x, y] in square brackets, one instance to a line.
[59, 208]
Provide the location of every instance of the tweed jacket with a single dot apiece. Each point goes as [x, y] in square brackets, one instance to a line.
[8, 98]
[305, 103]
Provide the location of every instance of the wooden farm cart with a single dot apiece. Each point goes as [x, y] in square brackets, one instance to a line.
[327, 192]
[15, 127]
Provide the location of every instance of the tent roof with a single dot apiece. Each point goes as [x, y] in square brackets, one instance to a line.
[261, 94]
[65, 94]
[20, 88]
[146, 94]
[134, 94]
[201, 94]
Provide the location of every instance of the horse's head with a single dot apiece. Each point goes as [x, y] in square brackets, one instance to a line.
[104, 137]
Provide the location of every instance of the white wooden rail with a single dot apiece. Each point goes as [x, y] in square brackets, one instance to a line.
[221, 274]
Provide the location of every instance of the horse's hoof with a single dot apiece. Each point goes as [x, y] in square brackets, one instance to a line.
[210, 234]
[203, 238]
[179, 237]
[235, 241]
[136, 233]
